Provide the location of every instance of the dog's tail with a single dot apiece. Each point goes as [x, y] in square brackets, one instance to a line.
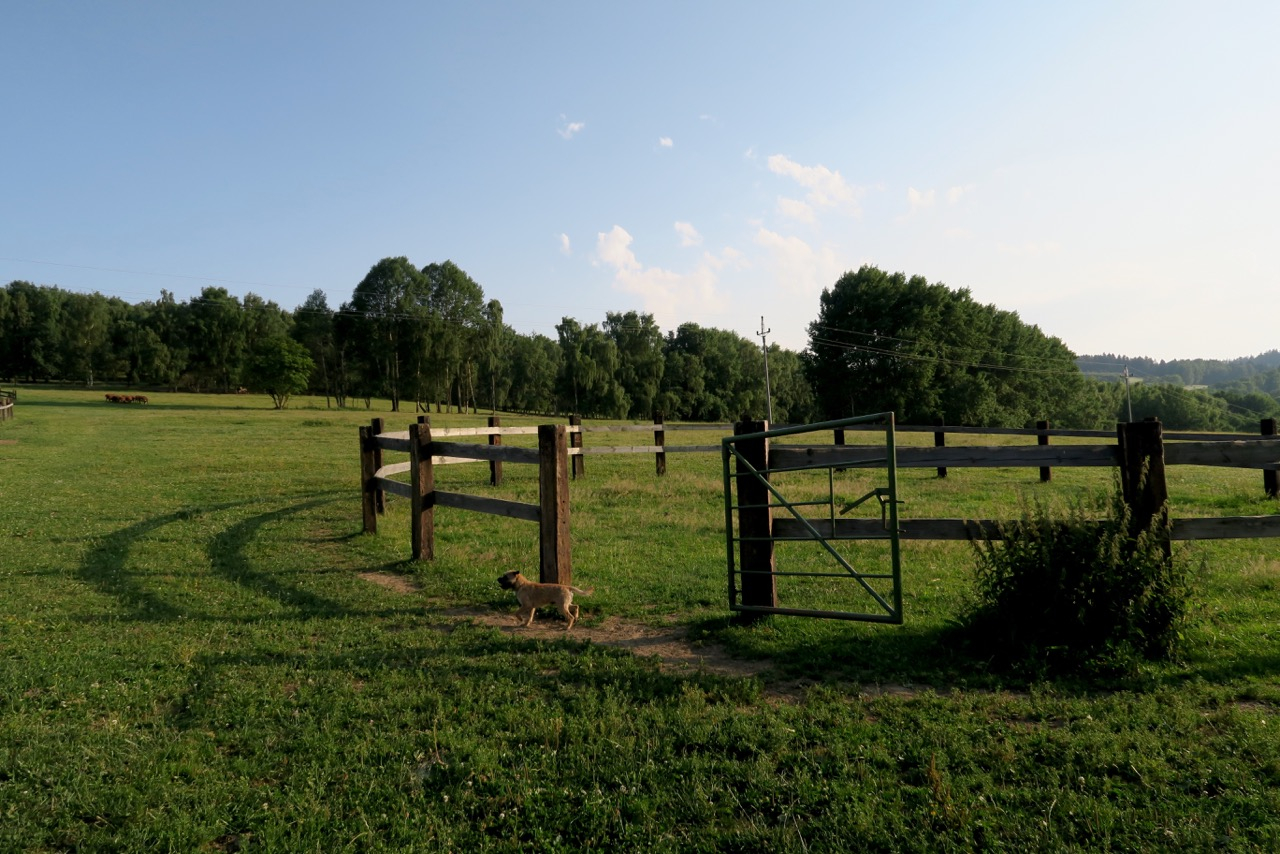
[581, 592]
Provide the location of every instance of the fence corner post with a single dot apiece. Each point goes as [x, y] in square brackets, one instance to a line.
[368, 484]
[554, 562]
[575, 441]
[759, 585]
[1271, 477]
[495, 466]
[1142, 477]
[1042, 438]
[659, 441]
[422, 513]
[377, 428]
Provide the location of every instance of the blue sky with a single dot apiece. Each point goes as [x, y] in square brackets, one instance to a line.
[1108, 170]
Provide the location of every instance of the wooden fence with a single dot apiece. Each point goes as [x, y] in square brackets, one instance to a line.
[1137, 445]
[426, 451]
[1043, 456]
[7, 400]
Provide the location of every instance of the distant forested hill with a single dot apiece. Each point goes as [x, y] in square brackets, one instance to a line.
[1208, 372]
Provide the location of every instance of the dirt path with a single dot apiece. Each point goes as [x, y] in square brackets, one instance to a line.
[670, 644]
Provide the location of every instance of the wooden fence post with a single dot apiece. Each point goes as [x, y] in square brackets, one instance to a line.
[554, 564]
[379, 494]
[368, 503]
[1142, 477]
[940, 441]
[1270, 479]
[495, 466]
[755, 520]
[423, 513]
[659, 439]
[575, 441]
[1046, 473]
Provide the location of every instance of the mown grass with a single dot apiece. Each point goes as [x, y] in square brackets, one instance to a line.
[190, 661]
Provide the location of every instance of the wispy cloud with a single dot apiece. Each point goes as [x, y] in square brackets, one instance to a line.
[918, 200]
[665, 142]
[798, 267]
[570, 129]
[689, 235]
[796, 209]
[827, 188]
[565, 246]
[955, 194]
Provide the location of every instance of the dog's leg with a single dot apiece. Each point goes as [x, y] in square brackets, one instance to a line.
[570, 613]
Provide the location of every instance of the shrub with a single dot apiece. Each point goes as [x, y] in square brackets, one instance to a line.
[1065, 592]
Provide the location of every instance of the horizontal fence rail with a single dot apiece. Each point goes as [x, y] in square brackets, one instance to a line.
[1220, 528]
[551, 513]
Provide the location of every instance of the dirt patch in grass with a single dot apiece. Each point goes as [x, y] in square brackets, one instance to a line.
[670, 644]
[391, 581]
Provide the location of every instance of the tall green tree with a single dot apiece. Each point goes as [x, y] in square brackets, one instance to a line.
[495, 348]
[313, 328]
[457, 302]
[384, 304]
[279, 366]
[31, 336]
[640, 360]
[217, 336]
[588, 382]
[887, 342]
[534, 367]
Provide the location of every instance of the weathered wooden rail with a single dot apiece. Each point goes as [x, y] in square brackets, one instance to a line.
[1255, 453]
[551, 513]
[7, 401]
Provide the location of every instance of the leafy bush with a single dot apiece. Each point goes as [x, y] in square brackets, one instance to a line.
[1065, 592]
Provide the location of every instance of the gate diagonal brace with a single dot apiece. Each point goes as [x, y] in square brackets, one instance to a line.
[857, 576]
[881, 494]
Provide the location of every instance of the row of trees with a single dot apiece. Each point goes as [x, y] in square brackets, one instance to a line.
[423, 337]
[428, 338]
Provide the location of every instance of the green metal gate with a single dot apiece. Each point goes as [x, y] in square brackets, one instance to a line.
[763, 470]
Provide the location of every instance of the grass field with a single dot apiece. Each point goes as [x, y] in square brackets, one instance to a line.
[193, 659]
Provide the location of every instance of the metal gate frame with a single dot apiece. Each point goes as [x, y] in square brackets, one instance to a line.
[890, 611]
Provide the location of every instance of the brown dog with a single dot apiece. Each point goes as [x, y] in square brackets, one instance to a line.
[533, 595]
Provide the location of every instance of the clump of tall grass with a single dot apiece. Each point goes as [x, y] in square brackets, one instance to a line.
[1062, 590]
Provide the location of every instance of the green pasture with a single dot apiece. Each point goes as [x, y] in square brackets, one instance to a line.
[191, 660]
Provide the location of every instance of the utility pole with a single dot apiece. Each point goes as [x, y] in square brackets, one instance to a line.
[1128, 400]
[768, 393]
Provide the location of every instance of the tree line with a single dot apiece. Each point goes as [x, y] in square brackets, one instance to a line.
[427, 338]
[424, 338]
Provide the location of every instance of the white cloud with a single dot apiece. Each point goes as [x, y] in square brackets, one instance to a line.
[672, 297]
[665, 142]
[614, 249]
[689, 235]
[571, 129]
[918, 201]
[956, 193]
[796, 209]
[827, 189]
[798, 267]
[565, 246]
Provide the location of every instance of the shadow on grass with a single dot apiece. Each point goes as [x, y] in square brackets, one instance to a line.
[462, 659]
[105, 569]
[227, 557]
